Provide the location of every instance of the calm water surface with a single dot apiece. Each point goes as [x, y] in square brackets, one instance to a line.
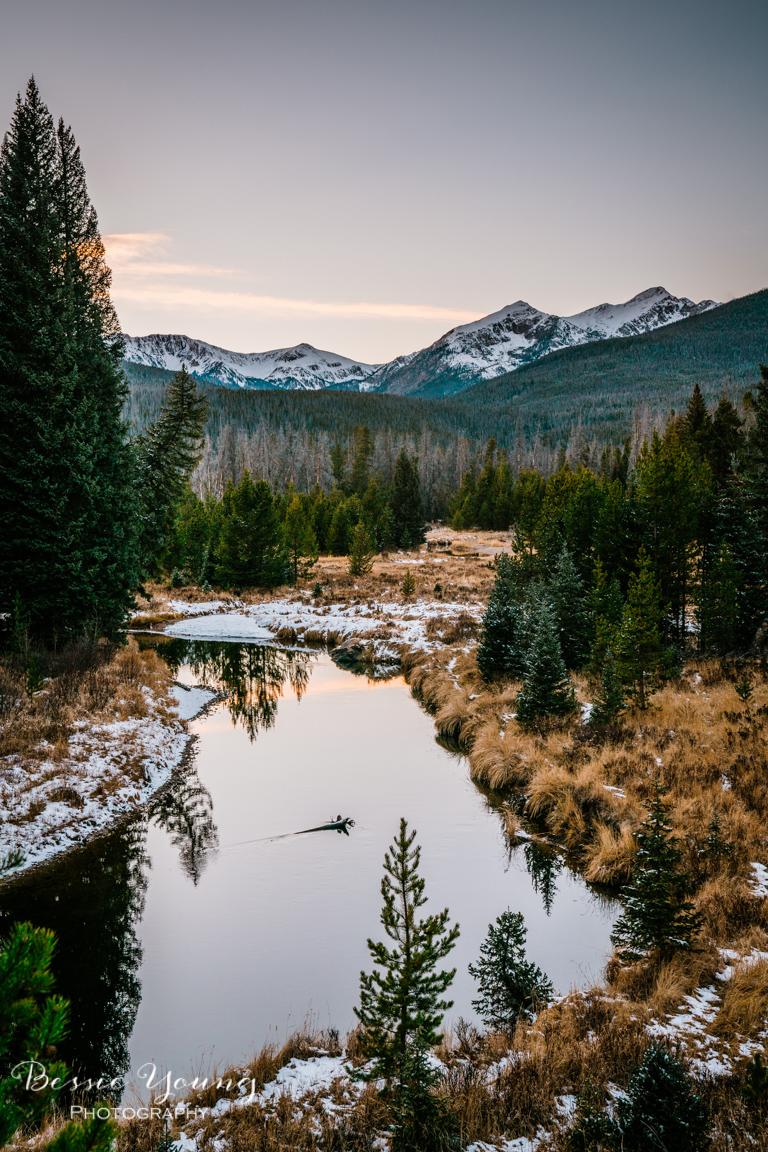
[195, 936]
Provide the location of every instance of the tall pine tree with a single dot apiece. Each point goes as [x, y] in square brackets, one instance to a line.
[501, 651]
[641, 657]
[67, 510]
[547, 690]
[407, 507]
[401, 1001]
[510, 986]
[251, 550]
[167, 454]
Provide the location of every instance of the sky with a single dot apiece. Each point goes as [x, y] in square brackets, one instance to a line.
[364, 176]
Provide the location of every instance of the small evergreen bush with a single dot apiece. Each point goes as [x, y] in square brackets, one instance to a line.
[510, 986]
[657, 917]
[662, 1110]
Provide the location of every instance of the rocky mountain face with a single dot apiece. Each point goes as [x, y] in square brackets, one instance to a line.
[518, 334]
[299, 367]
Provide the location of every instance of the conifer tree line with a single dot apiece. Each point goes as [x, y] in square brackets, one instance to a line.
[619, 572]
[84, 509]
[254, 536]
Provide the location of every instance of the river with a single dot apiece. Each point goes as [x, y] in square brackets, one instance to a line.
[201, 930]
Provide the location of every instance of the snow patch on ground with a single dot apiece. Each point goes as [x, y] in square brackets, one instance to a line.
[109, 771]
[225, 626]
[690, 1026]
[403, 622]
[191, 700]
[760, 878]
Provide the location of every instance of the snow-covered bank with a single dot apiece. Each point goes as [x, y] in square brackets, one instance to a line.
[403, 622]
[68, 792]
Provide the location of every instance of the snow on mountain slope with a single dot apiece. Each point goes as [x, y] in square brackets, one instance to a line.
[501, 342]
[520, 334]
[299, 367]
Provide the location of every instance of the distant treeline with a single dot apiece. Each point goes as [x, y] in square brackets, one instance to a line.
[288, 437]
[575, 402]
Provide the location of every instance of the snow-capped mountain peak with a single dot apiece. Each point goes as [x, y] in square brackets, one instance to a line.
[648, 310]
[500, 342]
[299, 367]
[518, 335]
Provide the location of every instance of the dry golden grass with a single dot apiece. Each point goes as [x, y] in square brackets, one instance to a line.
[590, 790]
[744, 1010]
[46, 736]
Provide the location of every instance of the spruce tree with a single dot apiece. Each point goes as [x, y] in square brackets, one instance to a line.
[401, 1001]
[727, 440]
[251, 550]
[718, 608]
[604, 606]
[642, 660]
[501, 651]
[387, 530]
[361, 552]
[661, 1110]
[33, 1021]
[566, 593]
[339, 531]
[510, 986]
[67, 509]
[300, 539]
[168, 453]
[111, 546]
[362, 450]
[408, 585]
[657, 917]
[547, 689]
[610, 701]
[407, 508]
[757, 448]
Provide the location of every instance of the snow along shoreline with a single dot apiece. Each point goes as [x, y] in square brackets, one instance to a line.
[96, 789]
[386, 624]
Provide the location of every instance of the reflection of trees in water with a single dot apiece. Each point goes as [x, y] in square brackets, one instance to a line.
[544, 866]
[542, 863]
[253, 674]
[185, 812]
[93, 901]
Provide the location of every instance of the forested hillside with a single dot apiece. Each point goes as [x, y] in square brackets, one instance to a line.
[603, 384]
[574, 401]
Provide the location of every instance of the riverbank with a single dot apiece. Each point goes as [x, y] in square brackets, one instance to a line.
[86, 747]
[588, 793]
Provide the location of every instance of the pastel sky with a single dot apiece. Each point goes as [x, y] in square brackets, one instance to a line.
[363, 175]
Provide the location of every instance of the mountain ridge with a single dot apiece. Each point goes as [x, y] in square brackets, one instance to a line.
[503, 341]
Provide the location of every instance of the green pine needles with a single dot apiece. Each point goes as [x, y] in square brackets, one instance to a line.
[33, 1020]
[501, 652]
[68, 506]
[643, 662]
[167, 455]
[362, 551]
[401, 1000]
[657, 917]
[547, 691]
[610, 701]
[510, 986]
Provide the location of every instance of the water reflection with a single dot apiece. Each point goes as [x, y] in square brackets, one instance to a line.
[254, 675]
[185, 812]
[93, 900]
[543, 865]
